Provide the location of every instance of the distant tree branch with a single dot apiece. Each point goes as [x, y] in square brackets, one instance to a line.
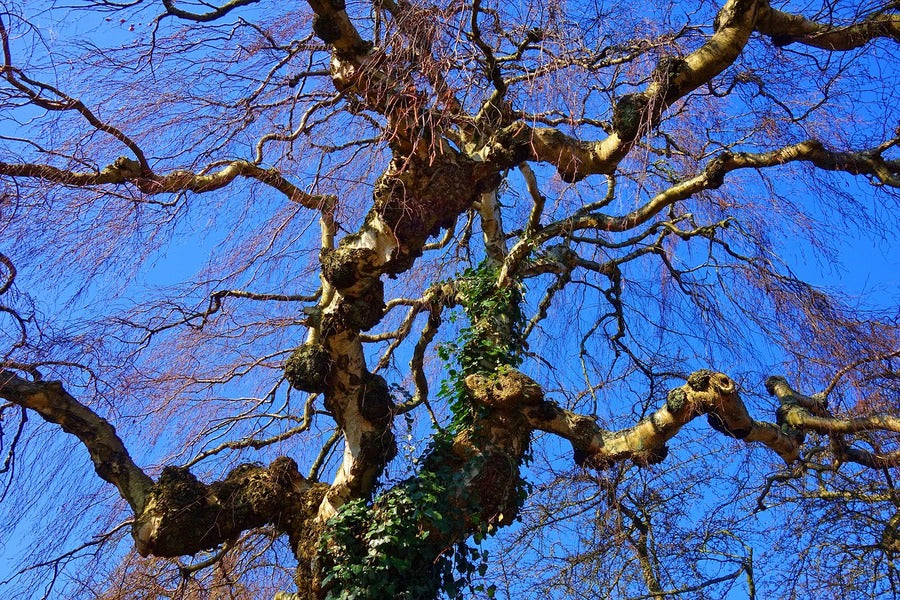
[215, 13]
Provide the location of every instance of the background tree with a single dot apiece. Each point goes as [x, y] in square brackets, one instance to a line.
[331, 292]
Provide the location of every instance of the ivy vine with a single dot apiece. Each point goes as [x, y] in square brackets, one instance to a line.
[381, 550]
[386, 550]
[491, 340]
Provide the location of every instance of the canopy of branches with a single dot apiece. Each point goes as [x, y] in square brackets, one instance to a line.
[482, 298]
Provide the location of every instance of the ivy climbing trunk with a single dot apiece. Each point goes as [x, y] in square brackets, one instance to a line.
[411, 542]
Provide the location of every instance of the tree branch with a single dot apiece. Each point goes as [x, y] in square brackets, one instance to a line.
[634, 114]
[111, 460]
[184, 516]
[713, 394]
[125, 170]
[785, 28]
[215, 13]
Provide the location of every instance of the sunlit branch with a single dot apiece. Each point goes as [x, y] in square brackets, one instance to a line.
[323, 454]
[332, 25]
[713, 394]
[635, 114]
[417, 365]
[786, 28]
[492, 227]
[111, 460]
[493, 69]
[544, 305]
[445, 240]
[807, 413]
[534, 218]
[693, 588]
[713, 175]
[302, 127]
[187, 571]
[641, 547]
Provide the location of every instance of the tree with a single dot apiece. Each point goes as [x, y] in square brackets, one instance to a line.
[545, 231]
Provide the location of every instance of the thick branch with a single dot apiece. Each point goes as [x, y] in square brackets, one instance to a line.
[864, 162]
[111, 460]
[125, 170]
[468, 484]
[184, 516]
[634, 114]
[785, 28]
[177, 515]
[713, 394]
[332, 25]
[806, 413]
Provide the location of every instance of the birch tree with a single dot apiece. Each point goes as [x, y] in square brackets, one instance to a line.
[392, 299]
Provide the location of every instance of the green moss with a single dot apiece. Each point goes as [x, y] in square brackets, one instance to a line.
[676, 400]
[699, 380]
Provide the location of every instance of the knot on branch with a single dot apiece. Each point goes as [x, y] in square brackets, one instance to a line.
[307, 368]
[184, 516]
[363, 310]
[505, 389]
[716, 169]
[667, 72]
[629, 113]
[775, 382]
[346, 266]
[676, 400]
[376, 404]
[125, 168]
[597, 461]
[705, 380]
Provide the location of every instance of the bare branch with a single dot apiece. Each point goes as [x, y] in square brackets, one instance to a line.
[111, 460]
[216, 13]
[786, 28]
